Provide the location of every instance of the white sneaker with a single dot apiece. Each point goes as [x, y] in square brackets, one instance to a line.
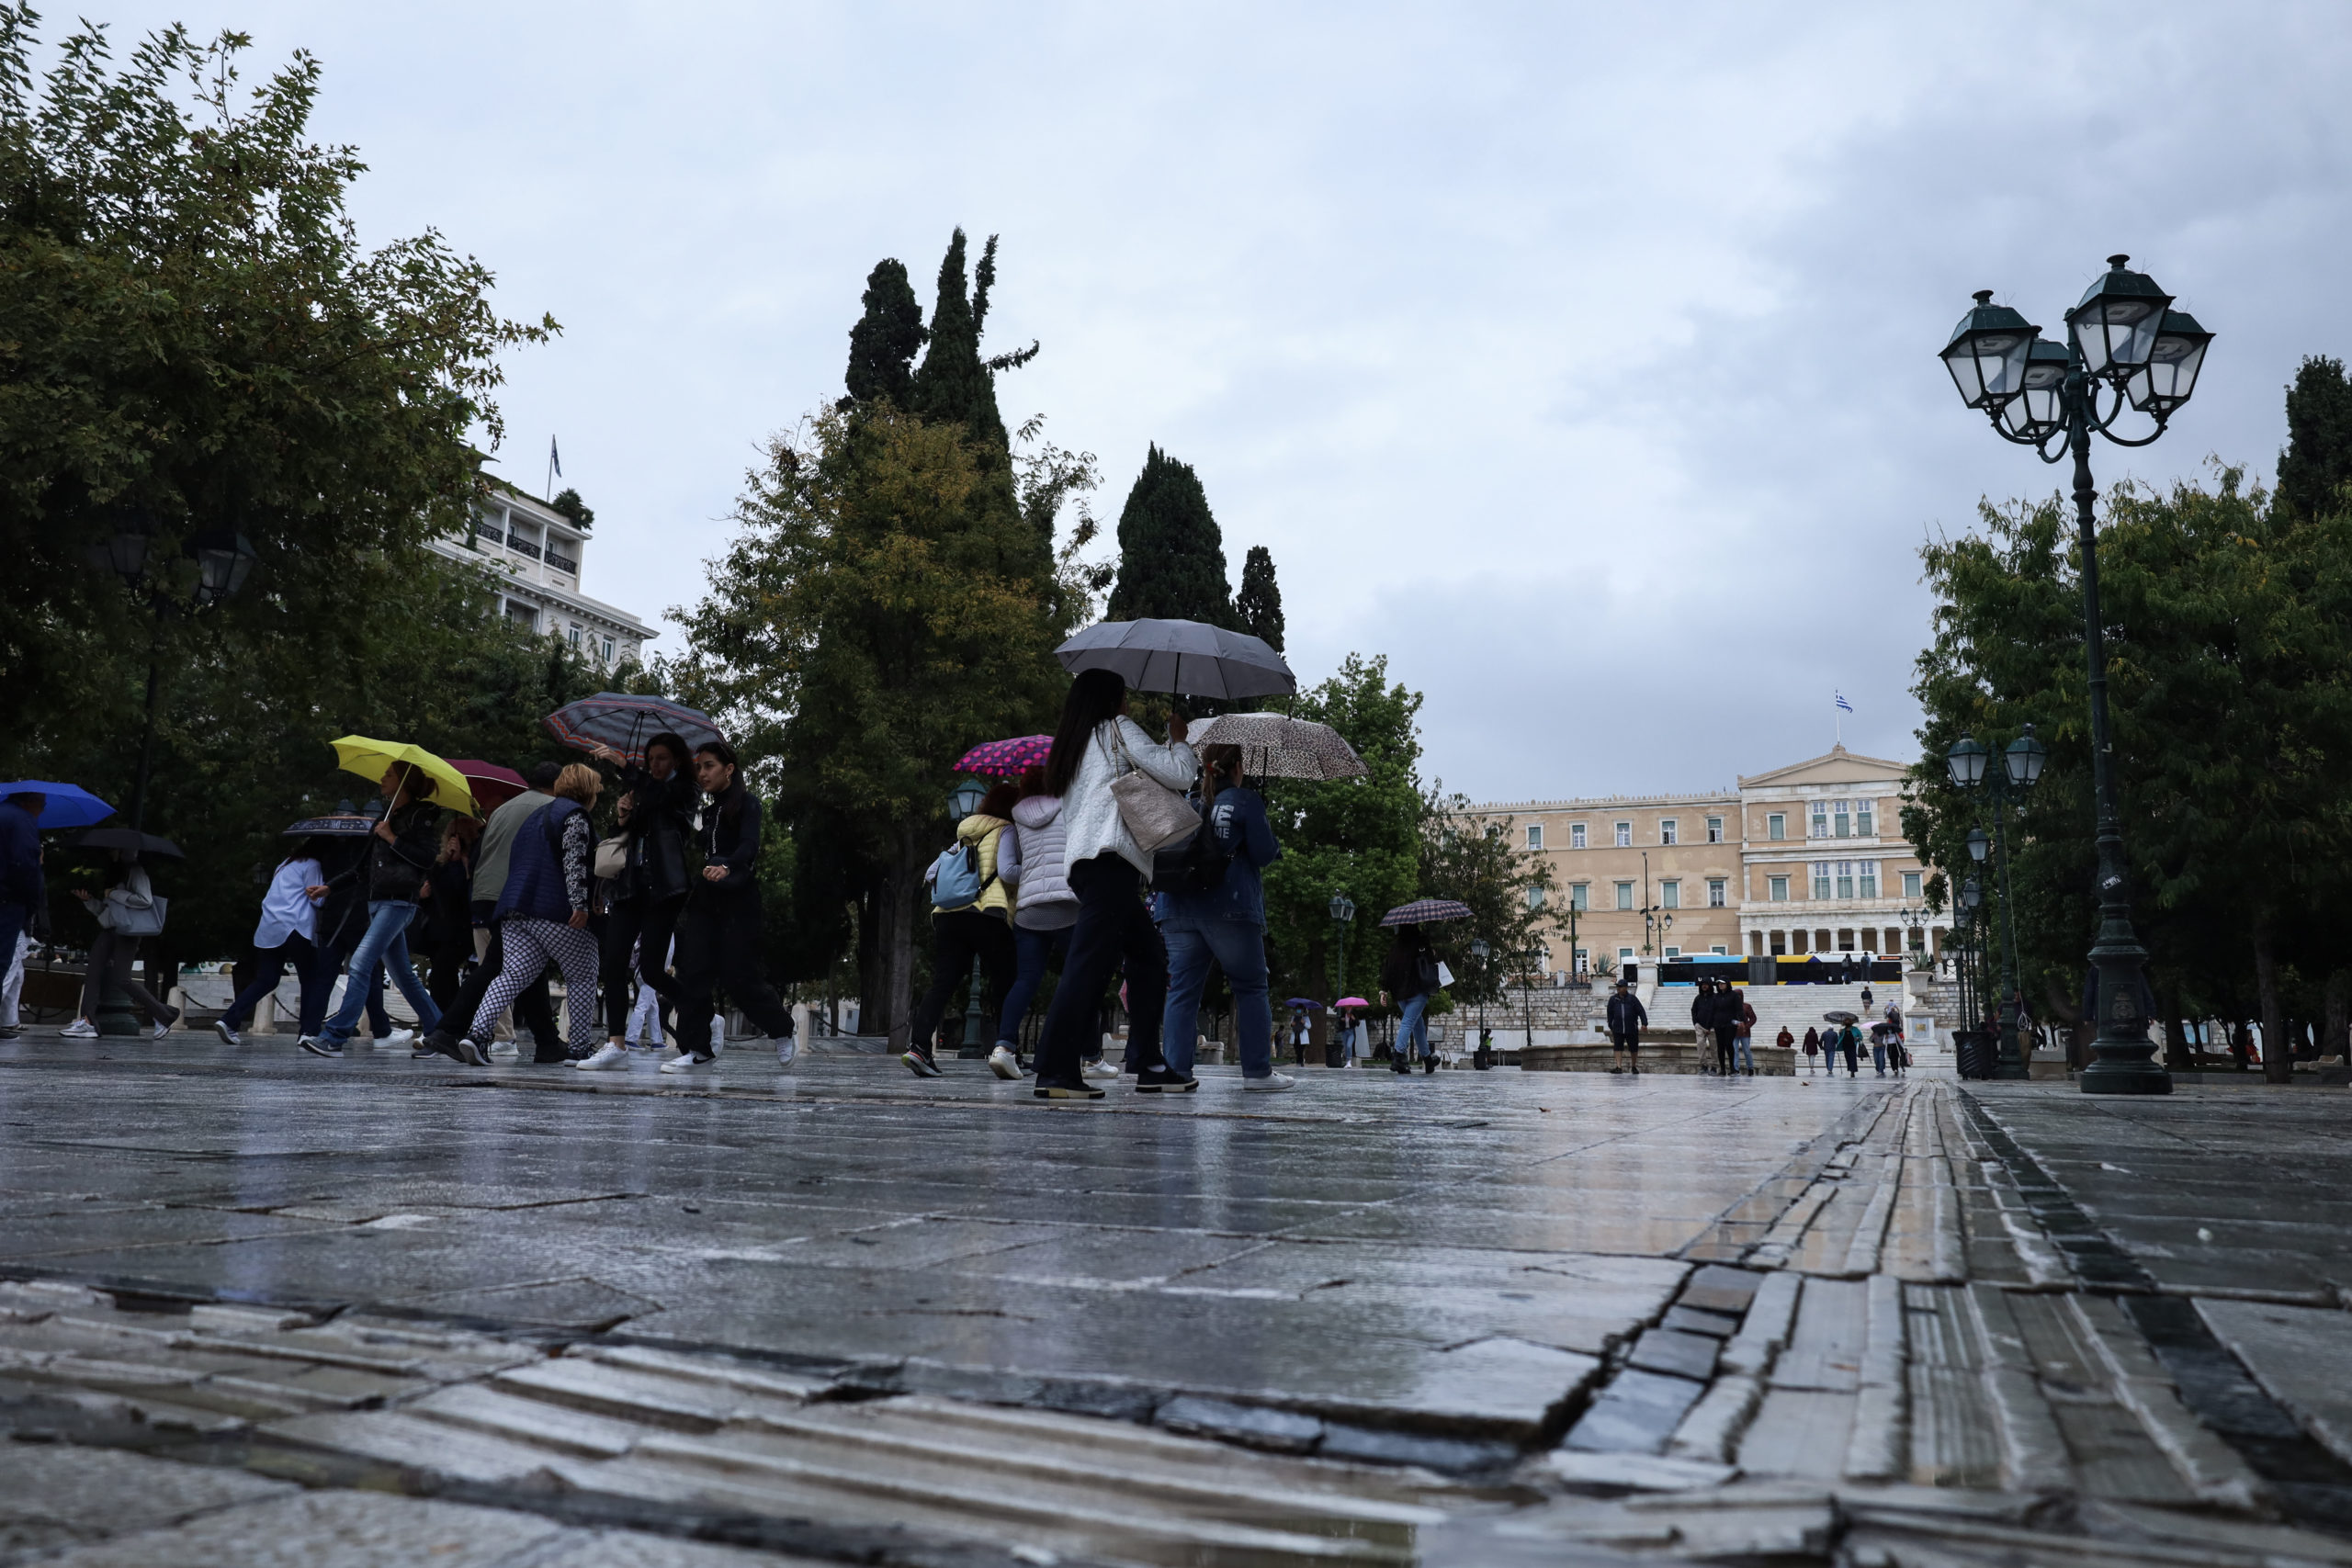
[399, 1039]
[1098, 1068]
[608, 1056]
[1004, 1063]
[685, 1064]
[164, 1028]
[1273, 1083]
[80, 1029]
[786, 1050]
[499, 1048]
[227, 1035]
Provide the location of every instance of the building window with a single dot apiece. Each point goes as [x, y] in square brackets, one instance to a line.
[1668, 830]
[608, 651]
[523, 613]
[1869, 878]
[1669, 895]
[1821, 820]
[1864, 819]
[1624, 835]
[1715, 829]
[1845, 882]
[1624, 955]
[1718, 950]
[1911, 886]
[1777, 889]
[575, 636]
[1583, 960]
[1845, 824]
[1776, 825]
[1624, 894]
[1716, 889]
[1580, 897]
[1779, 941]
[1535, 898]
[1821, 881]
[1576, 835]
[1673, 953]
[1535, 835]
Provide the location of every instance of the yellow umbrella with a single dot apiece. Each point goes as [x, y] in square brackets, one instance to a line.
[369, 758]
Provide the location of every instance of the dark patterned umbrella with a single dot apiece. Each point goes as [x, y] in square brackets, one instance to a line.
[1426, 911]
[339, 825]
[1007, 759]
[625, 723]
[1274, 746]
[1187, 657]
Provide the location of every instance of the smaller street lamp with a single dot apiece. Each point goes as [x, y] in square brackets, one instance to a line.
[224, 558]
[1978, 845]
[962, 802]
[1343, 909]
[2020, 770]
[1479, 953]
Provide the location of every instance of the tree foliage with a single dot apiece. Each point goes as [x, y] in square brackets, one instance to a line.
[883, 345]
[2317, 463]
[1259, 605]
[1172, 557]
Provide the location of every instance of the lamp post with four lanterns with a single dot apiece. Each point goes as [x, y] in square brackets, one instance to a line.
[2124, 344]
[2020, 770]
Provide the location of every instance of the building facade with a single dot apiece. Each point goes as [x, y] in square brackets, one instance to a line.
[540, 554]
[1809, 858]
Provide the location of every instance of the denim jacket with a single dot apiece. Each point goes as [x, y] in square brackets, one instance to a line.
[1239, 820]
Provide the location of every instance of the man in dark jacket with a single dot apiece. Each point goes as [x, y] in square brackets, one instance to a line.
[1703, 1020]
[1724, 1016]
[1626, 1018]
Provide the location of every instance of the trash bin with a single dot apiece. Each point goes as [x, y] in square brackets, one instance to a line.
[1972, 1051]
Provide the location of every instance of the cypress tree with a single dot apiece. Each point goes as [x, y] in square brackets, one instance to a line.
[2317, 462]
[1259, 605]
[1171, 557]
[882, 345]
[952, 383]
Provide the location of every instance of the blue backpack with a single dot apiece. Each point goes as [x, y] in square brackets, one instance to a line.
[955, 880]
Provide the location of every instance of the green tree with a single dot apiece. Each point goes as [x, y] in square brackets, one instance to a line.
[190, 333]
[1172, 557]
[867, 626]
[883, 345]
[2317, 462]
[1259, 605]
[1476, 862]
[567, 502]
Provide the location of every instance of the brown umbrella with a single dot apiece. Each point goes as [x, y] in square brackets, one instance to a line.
[1276, 746]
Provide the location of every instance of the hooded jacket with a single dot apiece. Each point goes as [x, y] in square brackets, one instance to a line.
[1626, 1015]
[996, 894]
[1032, 860]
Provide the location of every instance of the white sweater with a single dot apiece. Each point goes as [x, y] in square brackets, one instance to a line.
[1090, 812]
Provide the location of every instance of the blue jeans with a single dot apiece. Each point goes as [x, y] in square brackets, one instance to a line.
[1033, 951]
[1413, 1026]
[1742, 1053]
[385, 943]
[1239, 949]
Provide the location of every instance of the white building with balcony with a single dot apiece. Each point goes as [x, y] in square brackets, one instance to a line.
[540, 554]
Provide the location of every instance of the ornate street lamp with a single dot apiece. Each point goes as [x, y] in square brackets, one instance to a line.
[962, 801]
[2124, 344]
[1343, 909]
[223, 560]
[1479, 953]
[2021, 769]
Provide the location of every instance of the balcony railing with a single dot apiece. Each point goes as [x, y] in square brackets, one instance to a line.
[522, 546]
[560, 564]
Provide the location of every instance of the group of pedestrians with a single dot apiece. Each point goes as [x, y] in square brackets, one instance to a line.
[1721, 1010]
[1884, 1042]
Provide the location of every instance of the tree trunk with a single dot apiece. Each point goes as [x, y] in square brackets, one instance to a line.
[2338, 1015]
[2177, 1055]
[901, 888]
[2278, 1056]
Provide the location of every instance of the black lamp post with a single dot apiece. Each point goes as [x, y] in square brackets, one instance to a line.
[1479, 953]
[1972, 993]
[2124, 344]
[962, 801]
[2020, 770]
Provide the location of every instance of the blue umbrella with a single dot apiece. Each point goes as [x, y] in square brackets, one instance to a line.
[69, 806]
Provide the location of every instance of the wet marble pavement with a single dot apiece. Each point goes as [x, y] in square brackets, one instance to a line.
[524, 1315]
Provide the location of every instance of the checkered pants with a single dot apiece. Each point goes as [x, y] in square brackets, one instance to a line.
[530, 946]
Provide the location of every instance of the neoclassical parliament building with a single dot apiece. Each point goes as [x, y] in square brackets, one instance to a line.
[1805, 859]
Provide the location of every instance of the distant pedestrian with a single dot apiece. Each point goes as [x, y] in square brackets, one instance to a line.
[1850, 1039]
[1410, 976]
[289, 922]
[1812, 1045]
[1302, 1032]
[1743, 1018]
[24, 895]
[1703, 1022]
[1225, 922]
[971, 916]
[400, 858]
[1095, 746]
[1627, 1017]
[719, 930]
[127, 914]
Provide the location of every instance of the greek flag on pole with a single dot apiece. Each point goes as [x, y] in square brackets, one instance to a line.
[1844, 706]
[555, 458]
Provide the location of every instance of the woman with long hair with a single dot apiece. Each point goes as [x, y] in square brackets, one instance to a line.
[542, 915]
[449, 911]
[981, 929]
[1225, 923]
[122, 907]
[400, 858]
[642, 904]
[1094, 746]
[719, 931]
[287, 933]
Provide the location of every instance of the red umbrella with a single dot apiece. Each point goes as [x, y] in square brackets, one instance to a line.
[1007, 759]
[492, 785]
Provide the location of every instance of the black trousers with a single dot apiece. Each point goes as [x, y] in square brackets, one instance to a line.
[719, 948]
[445, 975]
[955, 937]
[1113, 930]
[1725, 1038]
[534, 1009]
[643, 926]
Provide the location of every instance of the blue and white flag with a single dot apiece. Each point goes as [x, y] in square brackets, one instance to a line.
[555, 458]
[1844, 706]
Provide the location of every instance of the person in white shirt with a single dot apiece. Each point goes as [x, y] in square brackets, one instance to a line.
[12, 989]
[287, 933]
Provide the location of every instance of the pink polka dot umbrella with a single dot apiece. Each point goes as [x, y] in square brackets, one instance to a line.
[1007, 759]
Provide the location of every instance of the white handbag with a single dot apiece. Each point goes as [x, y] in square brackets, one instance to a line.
[1153, 814]
[129, 917]
[1444, 975]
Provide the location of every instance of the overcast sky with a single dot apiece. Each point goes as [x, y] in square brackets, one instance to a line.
[1579, 359]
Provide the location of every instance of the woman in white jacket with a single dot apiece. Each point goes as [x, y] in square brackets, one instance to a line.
[1107, 872]
[1041, 918]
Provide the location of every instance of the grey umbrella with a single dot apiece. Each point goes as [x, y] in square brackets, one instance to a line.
[1276, 746]
[1186, 657]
